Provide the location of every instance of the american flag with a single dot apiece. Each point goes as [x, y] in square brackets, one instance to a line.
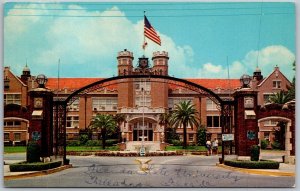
[150, 32]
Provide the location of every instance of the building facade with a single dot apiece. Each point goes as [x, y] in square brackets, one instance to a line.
[140, 100]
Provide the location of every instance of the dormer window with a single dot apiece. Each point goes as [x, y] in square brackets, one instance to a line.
[276, 84]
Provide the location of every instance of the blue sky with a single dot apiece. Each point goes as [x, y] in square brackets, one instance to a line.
[199, 37]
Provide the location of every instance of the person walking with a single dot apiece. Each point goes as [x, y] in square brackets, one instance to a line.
[215, 146]
[208, 146]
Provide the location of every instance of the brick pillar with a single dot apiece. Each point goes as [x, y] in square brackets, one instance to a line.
[246, 125]
[41, 127]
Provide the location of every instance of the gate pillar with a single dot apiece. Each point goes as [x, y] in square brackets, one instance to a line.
[246, 128]
[41, 127]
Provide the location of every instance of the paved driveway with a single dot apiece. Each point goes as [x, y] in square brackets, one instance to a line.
[172, 171]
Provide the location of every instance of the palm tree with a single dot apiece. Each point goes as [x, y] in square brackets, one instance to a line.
[280, 97]
[183, 115]
[105, 124]
[119, 118]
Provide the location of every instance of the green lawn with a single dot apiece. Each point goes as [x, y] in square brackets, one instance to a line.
[97, 148]
[178, 148]
[14, 149]
[194, 148]
[21, 149]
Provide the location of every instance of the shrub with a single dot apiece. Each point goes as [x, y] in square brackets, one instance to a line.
[254, 153]
[176, 142]
[201, 135]
[253, 164]
[111, 142]
[33, 152]
[92, 143]
[83, 138]
[73, 143]
[21, 143]
[264, 144]
[276, 145]
[23, 166]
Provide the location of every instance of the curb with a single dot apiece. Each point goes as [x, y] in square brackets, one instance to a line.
[38, 173]
[255, 171]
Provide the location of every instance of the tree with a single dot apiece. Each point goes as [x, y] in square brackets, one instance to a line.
[119, 119]
[280, 97]
[201, 135]
[105, 124]
[291, 89]
[183, 115]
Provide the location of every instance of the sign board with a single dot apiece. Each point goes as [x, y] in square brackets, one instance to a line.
[227, 137]
[36, 135]
[251, 135]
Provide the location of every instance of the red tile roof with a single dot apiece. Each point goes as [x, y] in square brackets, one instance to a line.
[76, 83]
[217, 83]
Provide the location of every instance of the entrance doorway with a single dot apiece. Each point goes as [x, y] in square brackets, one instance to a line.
[138, 131]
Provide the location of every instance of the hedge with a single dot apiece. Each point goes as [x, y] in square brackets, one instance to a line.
[73, 143]
[263, 164]
[38, 166]
[93, 143]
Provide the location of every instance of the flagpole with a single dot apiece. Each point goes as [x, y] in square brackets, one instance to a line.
[144, 43]
[58, 65]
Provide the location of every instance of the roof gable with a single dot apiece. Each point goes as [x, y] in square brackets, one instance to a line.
[279, 74]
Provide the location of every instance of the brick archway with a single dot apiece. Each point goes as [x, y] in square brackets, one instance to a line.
[288, 133]
[285, 113]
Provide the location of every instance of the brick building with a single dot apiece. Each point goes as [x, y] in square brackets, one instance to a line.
[135, 97]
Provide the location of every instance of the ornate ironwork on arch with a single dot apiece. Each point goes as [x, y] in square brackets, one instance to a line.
[60, 105]
[153, 78]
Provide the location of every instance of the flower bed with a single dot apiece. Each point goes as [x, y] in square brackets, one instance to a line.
[123, 154]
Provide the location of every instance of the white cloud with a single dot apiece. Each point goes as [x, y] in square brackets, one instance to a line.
[268, 58]
[88, 46]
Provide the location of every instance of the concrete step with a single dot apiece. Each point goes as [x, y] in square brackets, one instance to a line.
[149, 146]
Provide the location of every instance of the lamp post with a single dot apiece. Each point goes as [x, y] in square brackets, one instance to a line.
[162, 137]
[41, 79]
[123, 135]
[245, 80]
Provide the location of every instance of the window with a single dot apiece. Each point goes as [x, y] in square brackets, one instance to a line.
[191, 137]
[210, 105]
[213, 121]
[6, 83]
[6, 136]
[176, 100]
[105, 104]
[17, 136]
[270, 123]
[139, 101]
[276, 84]
[142, 85]
[12, 98]
[12, 123]
[72, 121]
[74, 106]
